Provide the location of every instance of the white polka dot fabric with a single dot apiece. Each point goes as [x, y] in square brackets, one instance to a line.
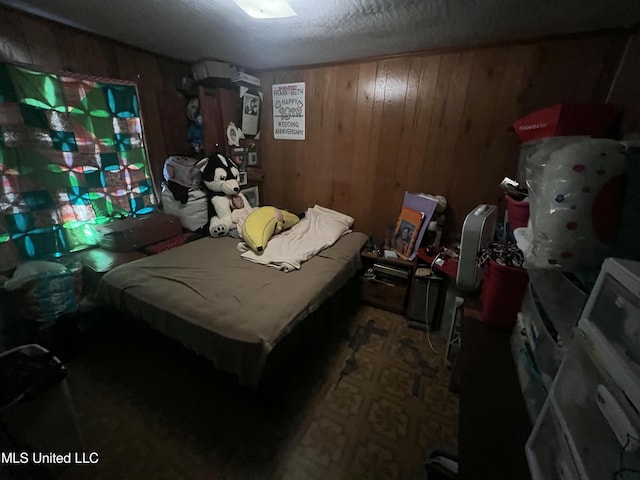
[576, 187]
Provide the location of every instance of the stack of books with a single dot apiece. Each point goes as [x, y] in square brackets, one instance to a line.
[416, 213]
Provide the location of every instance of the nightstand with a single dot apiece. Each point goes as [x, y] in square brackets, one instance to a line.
[98, 261]
[385, 282]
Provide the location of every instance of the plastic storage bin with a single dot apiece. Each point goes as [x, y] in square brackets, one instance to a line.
[45, 298]
[611, 320]
[211, 69]
[547, 350]
[548, 451]
[595, 396]
[616, 313]
[534, 391]
[563, 119]
[593, 443]
[563, 301]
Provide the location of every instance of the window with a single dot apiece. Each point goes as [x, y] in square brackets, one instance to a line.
[72, 155]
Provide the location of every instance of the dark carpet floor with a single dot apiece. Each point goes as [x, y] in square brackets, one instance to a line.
[369, 402]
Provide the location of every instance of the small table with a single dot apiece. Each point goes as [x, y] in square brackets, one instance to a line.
[386, 282]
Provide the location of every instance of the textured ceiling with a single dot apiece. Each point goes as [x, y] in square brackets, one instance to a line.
[327, 30]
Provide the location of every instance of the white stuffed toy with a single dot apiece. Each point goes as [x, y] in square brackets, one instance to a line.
[220, 176]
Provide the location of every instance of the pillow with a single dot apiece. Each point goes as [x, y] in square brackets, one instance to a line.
[31, 270]
[263, 223]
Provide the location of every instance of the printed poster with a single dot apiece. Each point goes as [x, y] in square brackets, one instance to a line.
[288, 111]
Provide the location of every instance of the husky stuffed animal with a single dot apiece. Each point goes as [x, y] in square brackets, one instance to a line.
[220, 176]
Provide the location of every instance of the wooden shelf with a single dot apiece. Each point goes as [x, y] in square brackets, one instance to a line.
[388, 261]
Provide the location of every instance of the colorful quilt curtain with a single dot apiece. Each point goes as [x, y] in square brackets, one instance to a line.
[71, 156]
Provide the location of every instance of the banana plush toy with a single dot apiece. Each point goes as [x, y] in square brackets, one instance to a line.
[263, 223]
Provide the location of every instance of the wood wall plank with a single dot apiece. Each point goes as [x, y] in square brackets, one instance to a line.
[360, 166]
[572, 71]
[393, 104]
[174, 127]
[447, 131]
[516, 75]
[624, 90]
[437, 123]
[13, 41]
[477, 123]
[52, 46]
[42, 43]
[346, 98]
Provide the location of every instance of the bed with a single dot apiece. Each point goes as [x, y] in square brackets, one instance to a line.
[224, 307]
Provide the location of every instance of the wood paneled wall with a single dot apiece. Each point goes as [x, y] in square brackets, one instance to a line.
[624, 90]
[435, 123]
[31, 40]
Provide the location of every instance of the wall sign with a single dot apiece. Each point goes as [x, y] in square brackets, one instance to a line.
[288, 111]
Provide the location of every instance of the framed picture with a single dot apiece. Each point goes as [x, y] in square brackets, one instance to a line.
[242, 178]
[251, 105]
[239, 158]
[252, 159]
[406, 231]
[253, 196]
[233, 135]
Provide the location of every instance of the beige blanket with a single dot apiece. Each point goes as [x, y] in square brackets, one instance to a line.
[320, 228]
[233, 312]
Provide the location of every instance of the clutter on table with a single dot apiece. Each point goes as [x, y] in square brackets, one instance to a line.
[504, 254]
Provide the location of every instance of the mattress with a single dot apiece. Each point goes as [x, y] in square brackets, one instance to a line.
[223, 307]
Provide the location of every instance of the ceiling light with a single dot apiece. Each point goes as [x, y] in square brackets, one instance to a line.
[266, 8]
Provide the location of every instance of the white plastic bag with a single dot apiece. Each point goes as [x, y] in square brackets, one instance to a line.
[193, 214]
[576, 191]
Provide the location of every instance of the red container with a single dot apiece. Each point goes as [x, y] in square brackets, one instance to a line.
[518, 212]
[503, 289]
[563, 120]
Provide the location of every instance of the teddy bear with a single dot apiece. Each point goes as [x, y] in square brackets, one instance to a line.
[220, 176]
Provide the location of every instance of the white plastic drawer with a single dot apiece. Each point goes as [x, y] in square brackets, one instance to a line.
[547, 352]
[533, 389]
[616, 313]
[563, 301]
[595, 447]
[548, 452]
